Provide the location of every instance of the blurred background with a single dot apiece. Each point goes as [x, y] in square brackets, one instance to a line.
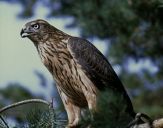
[129, 33]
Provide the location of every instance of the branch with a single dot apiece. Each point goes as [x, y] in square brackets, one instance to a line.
[155, 124]
[148, 122]
[4, 121]
[24, 102]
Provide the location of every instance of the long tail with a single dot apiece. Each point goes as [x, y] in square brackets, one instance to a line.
[120, 88]
[129, 108]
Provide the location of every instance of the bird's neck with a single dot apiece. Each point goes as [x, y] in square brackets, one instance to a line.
[52, 53]
[52, 47]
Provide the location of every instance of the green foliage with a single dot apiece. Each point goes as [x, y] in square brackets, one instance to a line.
[33, 113]
[38, 117]
[151, 102]
[111, 111]
[18, 93]
[44, 119]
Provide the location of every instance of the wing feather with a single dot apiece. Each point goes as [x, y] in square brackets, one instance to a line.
[97, 68]
[94, 63]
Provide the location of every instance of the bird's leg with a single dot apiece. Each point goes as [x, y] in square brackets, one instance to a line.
[73, 112]
[91, 99]
[90, 94]
[70, 113]
[77, 113]
[68, 106]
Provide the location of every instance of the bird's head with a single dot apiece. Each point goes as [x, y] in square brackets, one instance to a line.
[36, 30]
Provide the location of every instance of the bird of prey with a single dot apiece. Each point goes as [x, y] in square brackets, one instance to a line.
[79, 69]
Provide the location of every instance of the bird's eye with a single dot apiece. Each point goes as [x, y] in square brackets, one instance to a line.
[35, 26]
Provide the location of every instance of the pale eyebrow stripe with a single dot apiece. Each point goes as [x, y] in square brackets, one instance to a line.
[42, 21]
[33, 23]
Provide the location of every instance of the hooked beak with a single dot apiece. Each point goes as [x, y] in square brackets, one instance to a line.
[25, 33]
[22, 33]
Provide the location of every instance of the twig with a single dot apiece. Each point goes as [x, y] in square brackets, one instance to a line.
[4, 121]
[51, 113]
[139, 118]
[24, 102]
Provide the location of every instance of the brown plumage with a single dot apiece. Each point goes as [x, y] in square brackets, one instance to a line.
[78, 68]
